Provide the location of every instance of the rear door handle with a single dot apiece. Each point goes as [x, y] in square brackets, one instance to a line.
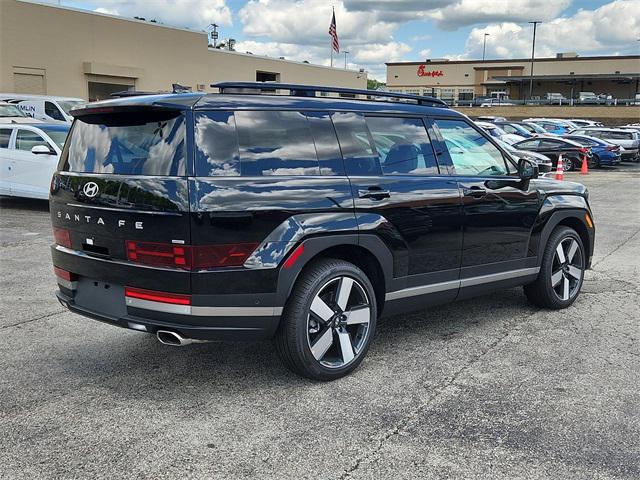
[475, 192]
[374, 193]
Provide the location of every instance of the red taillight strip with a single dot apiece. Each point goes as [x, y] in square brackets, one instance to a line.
[155, 296]
[64, 274]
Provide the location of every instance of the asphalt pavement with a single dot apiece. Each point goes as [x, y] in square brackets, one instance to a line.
[486, 388]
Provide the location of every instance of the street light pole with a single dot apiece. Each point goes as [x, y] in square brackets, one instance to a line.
[346, 52]
[484, 45]
[533, 54]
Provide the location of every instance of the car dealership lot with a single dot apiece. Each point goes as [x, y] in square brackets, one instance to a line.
[486, 388]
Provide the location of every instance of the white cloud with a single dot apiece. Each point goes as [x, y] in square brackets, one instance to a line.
[195, 14]
[612, 27]
[424, 54]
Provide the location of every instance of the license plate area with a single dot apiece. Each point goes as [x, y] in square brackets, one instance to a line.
[100, 297]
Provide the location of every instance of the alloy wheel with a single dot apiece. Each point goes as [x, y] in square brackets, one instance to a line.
[567, 164]
[338, 322]
[567, 269]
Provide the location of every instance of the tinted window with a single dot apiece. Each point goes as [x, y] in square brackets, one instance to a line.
[216, 145]
[5, 135]
[618, 135]
[546, 143]
[52, 110]
[327, 148]
[403, 146]
[356, 144]
[509, 129]
[528, 144]
[583, 141]
[471, 153]
[27, 139]
[128, 144]
[275, 143]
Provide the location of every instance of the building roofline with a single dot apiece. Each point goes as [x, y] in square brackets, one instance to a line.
[171, 27]
[513, 60]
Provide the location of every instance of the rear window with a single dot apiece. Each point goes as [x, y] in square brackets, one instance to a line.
[132, 143]
[618, 135]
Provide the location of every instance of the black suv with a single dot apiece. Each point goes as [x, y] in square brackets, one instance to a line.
[300, 218]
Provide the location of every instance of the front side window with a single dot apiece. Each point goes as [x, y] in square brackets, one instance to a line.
[129, 143]
[471, 152]
[403, 146]
[27, 139]
[53, 111]
[5, 136]
[275, 143]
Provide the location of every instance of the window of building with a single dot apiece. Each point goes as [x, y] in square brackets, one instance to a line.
[447, 94]
[356, 144]
[5, 135]
[267, 76]
[471, 152]
[275, 143]
[465, 94]
[402, 145]
[27, 139]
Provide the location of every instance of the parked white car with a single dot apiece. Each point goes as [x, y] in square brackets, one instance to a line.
[497, 132]
[44, 107]
[29, 155]
[12, 114]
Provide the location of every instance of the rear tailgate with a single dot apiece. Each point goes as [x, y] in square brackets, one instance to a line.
[120, 191]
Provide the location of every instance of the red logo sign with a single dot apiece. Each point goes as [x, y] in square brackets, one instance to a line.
[431, 73]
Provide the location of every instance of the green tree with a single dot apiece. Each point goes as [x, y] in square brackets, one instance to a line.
[373, 84]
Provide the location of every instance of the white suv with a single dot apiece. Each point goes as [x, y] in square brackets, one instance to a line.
[29, 155]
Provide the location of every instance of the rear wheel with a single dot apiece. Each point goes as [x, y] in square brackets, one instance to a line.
[328, 321]
[561, 272]
[567, 164]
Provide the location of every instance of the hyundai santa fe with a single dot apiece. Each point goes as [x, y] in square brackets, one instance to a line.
[302, 215]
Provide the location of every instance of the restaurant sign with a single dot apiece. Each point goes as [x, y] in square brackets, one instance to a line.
[422, 72]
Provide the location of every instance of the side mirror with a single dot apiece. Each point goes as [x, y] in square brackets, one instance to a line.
[42, 150]
[527, 170]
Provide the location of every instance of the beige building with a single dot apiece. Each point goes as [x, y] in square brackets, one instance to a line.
[566, 74]
[53, 50]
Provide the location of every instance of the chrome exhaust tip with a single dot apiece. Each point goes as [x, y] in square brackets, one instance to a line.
[174, 339]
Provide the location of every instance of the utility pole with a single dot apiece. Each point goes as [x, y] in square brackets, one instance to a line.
[346, 52]
[533, 54]
[484, 45]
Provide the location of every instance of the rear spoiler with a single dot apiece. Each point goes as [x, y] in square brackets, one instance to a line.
[126, 114]
[149, 103]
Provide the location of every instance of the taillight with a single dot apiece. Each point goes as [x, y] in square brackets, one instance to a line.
[155, 296]
[583, 150]
[62, 236]
[68, 276]
[189, 257]
[159, 254]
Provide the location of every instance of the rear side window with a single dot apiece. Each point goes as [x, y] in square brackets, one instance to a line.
[618, 135]
[356, 144]
[132, 143]
[5, 135]
[275, 143]
[402, 145]
[216, 145]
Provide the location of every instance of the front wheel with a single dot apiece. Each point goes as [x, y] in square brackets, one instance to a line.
[561, 272]
[328, 321]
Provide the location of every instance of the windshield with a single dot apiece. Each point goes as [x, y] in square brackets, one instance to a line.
[57, 133]
[137, 143]
[68, 105]
[10, 111]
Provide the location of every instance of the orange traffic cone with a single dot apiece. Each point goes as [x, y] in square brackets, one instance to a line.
[559, 170]
[584, 169]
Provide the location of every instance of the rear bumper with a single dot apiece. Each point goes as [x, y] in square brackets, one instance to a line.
[220, 327]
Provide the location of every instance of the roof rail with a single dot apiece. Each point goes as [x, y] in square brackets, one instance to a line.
[310, 91]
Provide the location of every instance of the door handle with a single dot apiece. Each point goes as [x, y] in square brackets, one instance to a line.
[475, 192]
[374, 193]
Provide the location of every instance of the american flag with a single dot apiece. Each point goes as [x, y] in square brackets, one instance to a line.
[334, 34]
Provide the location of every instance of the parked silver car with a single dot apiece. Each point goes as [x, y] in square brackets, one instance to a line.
[628, 139]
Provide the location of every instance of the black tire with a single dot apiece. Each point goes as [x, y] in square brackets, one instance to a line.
[542, 291]
[595, 162]
[293, 338]
[567, 164]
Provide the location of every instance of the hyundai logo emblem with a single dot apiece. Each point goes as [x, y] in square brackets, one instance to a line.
[90, 189]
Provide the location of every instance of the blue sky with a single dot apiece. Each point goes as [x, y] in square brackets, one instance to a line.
[375, 31]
